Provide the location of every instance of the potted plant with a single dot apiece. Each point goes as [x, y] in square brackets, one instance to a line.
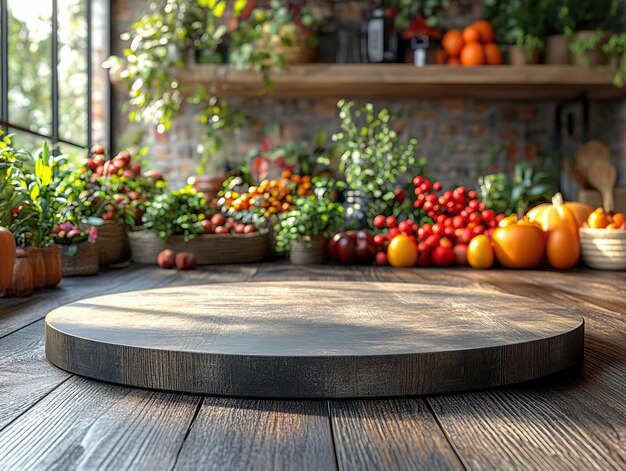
[183, 222]
[304, 231]
[373, 160]
[79, 254]
[275, 36]
[522, 25]
[559, 28]
[593, 23]
[43, 206]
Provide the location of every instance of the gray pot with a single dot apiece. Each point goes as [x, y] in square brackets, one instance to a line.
[308, 251]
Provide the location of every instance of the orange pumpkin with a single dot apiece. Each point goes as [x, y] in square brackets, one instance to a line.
[39, 266]
[54, 271]
[519, 245]
[579, 211]
[563, 247]
[22, 281]
[7, 255]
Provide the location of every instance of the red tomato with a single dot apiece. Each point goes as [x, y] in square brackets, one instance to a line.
[442, 256]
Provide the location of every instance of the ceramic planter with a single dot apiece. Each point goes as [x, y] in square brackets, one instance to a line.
[39, 267]
[22, 283]
[54, 270]
[519, 56]
[557, 50]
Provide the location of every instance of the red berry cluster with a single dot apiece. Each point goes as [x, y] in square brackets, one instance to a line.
[457, 217]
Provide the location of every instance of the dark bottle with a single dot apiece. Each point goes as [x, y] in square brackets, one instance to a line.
[380, 38]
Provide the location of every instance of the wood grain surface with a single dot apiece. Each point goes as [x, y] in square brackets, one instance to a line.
[313, 339]
[371, 81]
[260, 435]
[571, 420]
[391, 434]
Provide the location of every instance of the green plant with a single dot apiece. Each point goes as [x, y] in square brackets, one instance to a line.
[44, 200]
[311, 216]
[407, 10]
[517, 193]
[255, 42]
[597, 15]
[615, 49]
[176, 213]
[373, 159]
[522, 23]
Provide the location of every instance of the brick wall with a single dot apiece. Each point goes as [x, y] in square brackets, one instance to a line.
[456, 135]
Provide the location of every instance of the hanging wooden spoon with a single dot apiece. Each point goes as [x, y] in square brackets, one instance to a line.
[602, 176]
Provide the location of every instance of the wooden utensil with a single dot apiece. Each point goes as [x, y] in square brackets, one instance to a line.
[590, 152]
[576, 175]
[602, 176]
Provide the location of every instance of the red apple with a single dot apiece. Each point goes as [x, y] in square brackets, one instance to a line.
[365, 251]
[166, 259]
[136, 167]
[218, 220]
[249, 229]
[221, 230]
[346, 250]
[154, 174]
[208, 226]
[332, 247]
[98, 149]
[185, 261]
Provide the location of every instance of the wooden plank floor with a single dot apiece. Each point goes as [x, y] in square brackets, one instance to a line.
[50, 419]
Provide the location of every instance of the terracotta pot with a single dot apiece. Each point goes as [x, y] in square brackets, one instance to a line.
[39, 267]
[22, 283]
[54, 268]
[557, 50]
[518, 56]
[7, 255]
[593, 57]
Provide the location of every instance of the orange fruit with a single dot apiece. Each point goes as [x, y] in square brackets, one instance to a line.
[471, 35]
[453, 43]
[472, 54]
[485, 31]
[402, 252]
[493, 55]
[480, 252]
[453, 61]
[598, 219]
[619, 219]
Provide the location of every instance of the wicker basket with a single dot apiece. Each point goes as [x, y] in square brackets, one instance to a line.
[83, 263]
[308, 251]
[209, 249]
[603, 249]
[113, 245]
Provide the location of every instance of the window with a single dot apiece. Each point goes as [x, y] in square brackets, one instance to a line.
[45, 72]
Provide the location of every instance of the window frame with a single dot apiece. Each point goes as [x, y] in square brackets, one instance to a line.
[5, 121]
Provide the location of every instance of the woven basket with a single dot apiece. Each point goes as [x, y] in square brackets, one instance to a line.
[603, 249]
[209, 249]
[83, 263]
[308, 251]
[113, 245]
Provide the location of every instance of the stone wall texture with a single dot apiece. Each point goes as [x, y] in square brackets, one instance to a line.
[460, 137]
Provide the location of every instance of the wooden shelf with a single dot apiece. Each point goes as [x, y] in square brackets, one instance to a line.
[537, 82]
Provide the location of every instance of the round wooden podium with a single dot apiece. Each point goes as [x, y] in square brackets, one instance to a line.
[313, 339]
